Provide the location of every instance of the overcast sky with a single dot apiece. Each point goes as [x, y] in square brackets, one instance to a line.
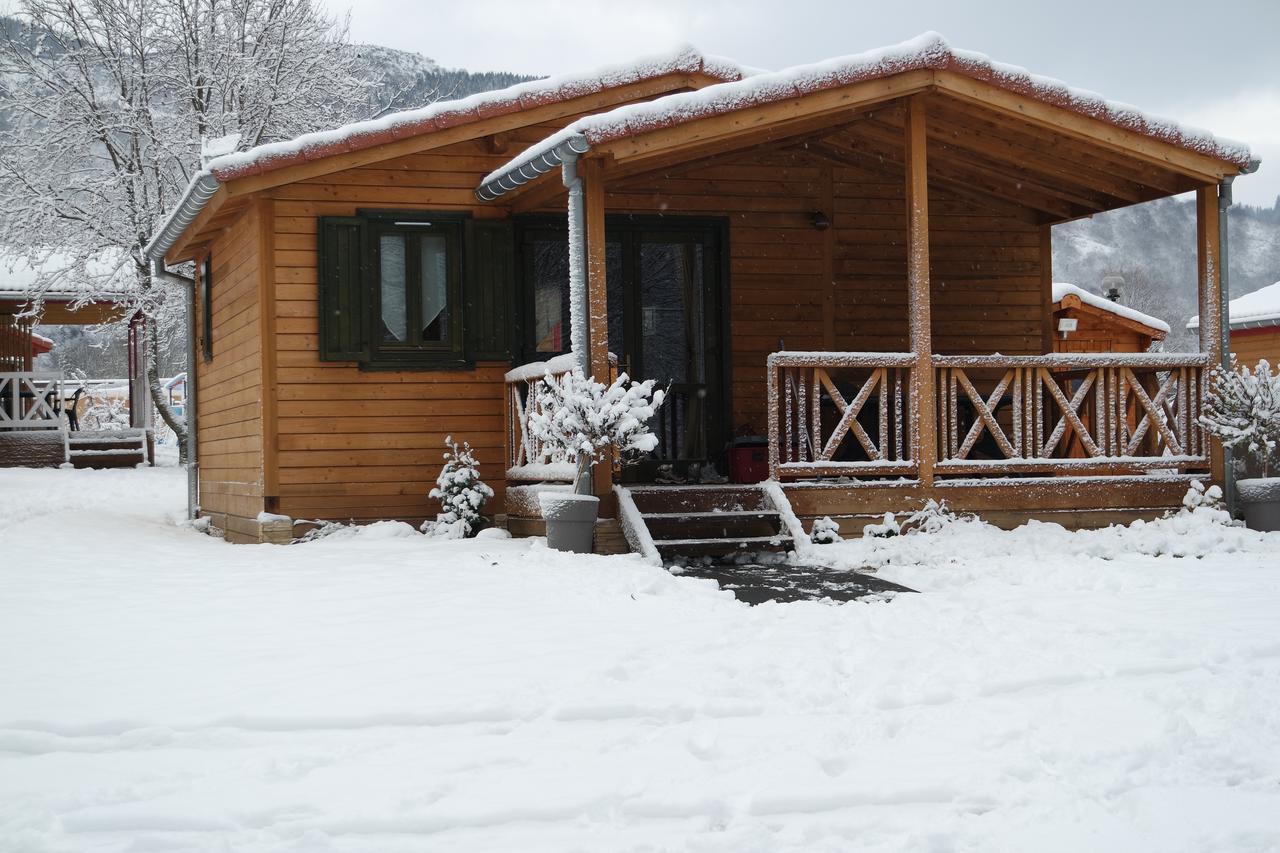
[1207, 64]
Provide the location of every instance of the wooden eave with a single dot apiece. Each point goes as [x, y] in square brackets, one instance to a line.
[1052, 163]
[235, 195]
[1071, 302]
[58, 312]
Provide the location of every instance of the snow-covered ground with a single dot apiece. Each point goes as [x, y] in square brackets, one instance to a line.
[162, 690]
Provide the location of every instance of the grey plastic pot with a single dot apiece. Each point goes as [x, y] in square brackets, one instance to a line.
[1260, 500]
[571, 520]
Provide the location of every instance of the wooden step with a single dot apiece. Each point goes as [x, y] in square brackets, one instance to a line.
[707, 525]
[721, 547]
[673, 499]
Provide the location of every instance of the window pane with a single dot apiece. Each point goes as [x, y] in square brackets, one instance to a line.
[435, 288]
[551, 296]
[395, 315]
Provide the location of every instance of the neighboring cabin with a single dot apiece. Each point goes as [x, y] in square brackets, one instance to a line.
[852, 258]
[1101, 324]
[1255, 326]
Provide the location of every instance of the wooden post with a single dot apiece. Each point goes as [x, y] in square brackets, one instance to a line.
[597, 309]
[1209, 255]
[924, 422]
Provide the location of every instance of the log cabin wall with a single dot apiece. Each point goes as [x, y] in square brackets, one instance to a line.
[1096, 334]
[844, 288]
[1250, 345]
[229, 387]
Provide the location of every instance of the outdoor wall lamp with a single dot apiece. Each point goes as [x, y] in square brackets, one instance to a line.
[819, 220]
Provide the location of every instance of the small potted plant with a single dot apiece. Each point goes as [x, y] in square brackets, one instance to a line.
[1242, 410]
[580, 420]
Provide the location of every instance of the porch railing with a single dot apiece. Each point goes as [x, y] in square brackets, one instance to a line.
[1067, 412]
[528, 460]
[839, 414]
[33, 401]
[850, 414]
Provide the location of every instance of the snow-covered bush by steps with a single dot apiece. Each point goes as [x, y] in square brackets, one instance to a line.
[461, 493]
[888, 526]
[825, 532]
[1242, 410]
[580, 419]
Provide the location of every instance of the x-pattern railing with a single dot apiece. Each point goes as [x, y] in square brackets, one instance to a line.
[1070, 411]
[30, 401]
[821, 406]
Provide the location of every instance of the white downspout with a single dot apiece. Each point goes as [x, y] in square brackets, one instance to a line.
[189, 411]
[579, 336]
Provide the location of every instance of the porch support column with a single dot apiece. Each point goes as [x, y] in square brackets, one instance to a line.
[924, 420]
[1209, 256]
[597, 309]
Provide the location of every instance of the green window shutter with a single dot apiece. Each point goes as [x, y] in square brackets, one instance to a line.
[490, 289]
[343, 290]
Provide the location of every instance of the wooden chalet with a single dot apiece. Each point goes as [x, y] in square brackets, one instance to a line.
[851, 260]
[1097, 324]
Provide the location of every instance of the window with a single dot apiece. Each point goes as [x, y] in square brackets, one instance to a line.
[392, 290]
[206, 307]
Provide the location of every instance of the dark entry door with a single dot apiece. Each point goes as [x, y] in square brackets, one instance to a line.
[665, 321]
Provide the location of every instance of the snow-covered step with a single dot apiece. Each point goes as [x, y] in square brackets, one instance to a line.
[108, 449]
[721, 547]
[710, 521]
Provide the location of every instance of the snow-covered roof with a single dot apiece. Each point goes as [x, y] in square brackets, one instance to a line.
[929, 51]
[1062, 289]
[59, 276]
[1253, 310]
[436, 116]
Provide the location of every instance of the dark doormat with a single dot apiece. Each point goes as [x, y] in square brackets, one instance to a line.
[756, 583]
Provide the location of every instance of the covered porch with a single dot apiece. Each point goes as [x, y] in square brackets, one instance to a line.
[42, 411]
[888, 283]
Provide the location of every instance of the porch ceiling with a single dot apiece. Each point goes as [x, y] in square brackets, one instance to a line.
[1007, 162]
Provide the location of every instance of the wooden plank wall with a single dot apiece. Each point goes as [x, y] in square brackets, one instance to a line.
[229, 388]
[1250, 345]
[845, 288]
[363, 445]
[1095, 334]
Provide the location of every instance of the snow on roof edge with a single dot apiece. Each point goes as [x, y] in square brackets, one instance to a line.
[929, 50]
[1063, 289]
[435, 116]
[1260, 307]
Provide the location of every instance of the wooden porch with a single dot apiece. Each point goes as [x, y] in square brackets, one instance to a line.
[920, 366]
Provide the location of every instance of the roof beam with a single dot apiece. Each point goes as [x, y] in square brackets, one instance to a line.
[1193, 164]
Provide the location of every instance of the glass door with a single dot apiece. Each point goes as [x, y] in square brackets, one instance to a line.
[665, 324]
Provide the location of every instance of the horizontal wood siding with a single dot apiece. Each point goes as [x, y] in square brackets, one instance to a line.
[229, 388]
[1095, 334]
[985, 266]
[1250, 345]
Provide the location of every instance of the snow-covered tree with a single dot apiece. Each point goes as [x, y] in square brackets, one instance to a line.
[580, 419]
[104, 105]
[1242, 410]
[461, 493]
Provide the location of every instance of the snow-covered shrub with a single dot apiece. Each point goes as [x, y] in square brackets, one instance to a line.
[933, 517]
[887, 527]
[1198, 496]
[581, 419]
[461, 493]
[1242, 410]
[825, 531]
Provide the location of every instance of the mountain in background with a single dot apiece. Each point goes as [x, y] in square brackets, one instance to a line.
[407, 80]
[1152, 247]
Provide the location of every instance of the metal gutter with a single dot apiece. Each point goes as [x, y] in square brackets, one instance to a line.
[189, 411]
[199, 191]
[517, 174]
